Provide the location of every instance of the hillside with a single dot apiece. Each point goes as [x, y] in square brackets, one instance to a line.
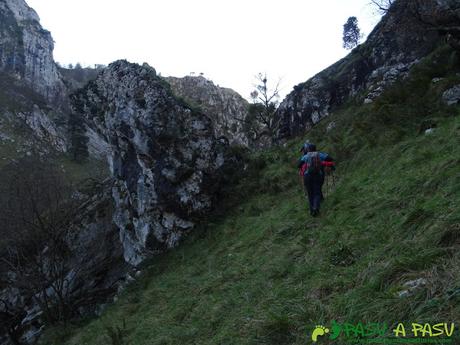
[190, 239]
[408, 32]
[262, 271]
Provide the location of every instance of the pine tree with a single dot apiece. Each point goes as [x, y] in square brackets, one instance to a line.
[351, 33]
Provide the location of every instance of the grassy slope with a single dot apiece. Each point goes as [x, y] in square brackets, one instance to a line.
[266, 273]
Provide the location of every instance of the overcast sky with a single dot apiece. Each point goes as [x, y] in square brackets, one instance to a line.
[229, 41]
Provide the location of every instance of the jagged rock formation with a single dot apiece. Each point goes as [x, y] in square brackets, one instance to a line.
[393, 47]
[27, 49]
[164, 156]
[226, 108]
[32, 93]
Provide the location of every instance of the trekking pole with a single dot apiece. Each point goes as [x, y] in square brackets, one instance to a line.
[301, 184]
[327, 174]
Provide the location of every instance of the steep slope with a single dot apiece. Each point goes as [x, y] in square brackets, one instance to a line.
[409, 31]
[385, 249]
[226, 108]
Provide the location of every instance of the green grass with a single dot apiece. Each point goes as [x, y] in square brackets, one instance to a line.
[79, 172]
[265, 272]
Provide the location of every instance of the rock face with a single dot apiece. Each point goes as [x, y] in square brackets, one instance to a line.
[164, 156]
[225, 107]
[26, 49]
[43, 128]
[32, 92]
[404, 35]
[27, 120]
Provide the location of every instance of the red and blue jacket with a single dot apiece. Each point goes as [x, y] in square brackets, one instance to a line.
[306, 160]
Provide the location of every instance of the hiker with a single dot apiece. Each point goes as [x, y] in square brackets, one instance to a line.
[312, 167]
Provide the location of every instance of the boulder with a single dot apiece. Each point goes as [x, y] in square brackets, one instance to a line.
[452, 95]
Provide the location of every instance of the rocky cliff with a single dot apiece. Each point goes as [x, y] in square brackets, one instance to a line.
[26, 49]
[409, 31]
[225, 107]
[32, 93]
[163, 156]
[166, 165]
[27, 122]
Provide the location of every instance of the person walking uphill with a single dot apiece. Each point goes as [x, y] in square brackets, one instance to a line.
[312, 168]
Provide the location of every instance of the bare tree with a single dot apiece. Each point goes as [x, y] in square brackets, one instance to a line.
[10, 320]
[382, 5]
[262, 111]
[37, 207]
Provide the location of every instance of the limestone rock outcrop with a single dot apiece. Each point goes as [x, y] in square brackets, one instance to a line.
[27, 50]
[163, 156]
[225, 107]
[32, 92]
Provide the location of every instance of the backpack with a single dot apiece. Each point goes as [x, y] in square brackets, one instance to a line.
[314, 164]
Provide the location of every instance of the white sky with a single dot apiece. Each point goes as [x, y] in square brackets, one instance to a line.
[230, 41]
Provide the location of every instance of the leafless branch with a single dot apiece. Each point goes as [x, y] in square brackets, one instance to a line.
[382, 5]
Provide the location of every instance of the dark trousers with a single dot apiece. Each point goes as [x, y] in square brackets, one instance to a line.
[313, 184]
